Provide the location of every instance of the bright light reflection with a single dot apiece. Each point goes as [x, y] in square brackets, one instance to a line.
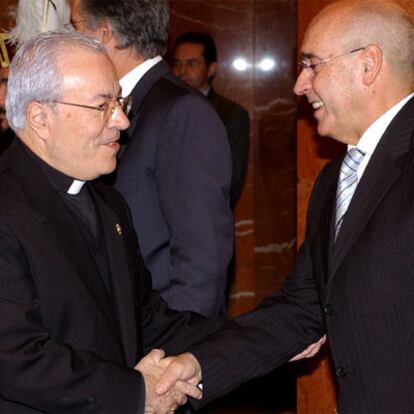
[240, 64]
[266, 64]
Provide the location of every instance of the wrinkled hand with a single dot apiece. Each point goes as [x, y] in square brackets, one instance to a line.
[310, 351]
[183, 368]
[152, 372]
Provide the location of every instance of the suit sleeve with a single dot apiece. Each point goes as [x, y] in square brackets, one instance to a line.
[256, 343]
[39, 372]
[193, 172]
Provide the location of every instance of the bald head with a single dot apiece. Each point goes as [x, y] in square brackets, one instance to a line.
[358, 62]
[359, 23]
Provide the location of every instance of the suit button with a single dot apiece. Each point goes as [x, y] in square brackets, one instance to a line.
[341, 372]
[328, 309]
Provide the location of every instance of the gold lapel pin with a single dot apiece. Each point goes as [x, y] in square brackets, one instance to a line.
[118, 229]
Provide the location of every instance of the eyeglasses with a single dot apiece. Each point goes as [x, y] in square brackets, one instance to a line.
[107, 109]
[72, 24]
[312, 66]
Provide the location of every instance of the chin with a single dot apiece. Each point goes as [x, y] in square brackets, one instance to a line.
[324, 130]
[109, 170]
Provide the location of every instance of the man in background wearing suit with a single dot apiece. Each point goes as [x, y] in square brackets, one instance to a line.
[195, 62]
[175, 167]
[77, 312]
[354, 275]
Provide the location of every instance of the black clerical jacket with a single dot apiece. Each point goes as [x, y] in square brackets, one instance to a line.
[63, 346]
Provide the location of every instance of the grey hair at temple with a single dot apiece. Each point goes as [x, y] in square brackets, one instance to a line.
[140, 24]
[34, 73]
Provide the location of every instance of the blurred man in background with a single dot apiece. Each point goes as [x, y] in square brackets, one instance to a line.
[195, 62]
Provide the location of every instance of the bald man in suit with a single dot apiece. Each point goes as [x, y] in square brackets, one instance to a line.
[354, 278]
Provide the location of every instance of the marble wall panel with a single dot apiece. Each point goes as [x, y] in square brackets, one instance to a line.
[275, 155]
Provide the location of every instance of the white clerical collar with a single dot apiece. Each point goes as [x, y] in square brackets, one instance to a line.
[75, 187]
[129, 80]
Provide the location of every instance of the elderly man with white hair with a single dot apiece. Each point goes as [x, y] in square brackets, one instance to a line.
[77, 313]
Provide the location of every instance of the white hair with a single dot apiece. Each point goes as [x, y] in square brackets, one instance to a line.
[34, 73]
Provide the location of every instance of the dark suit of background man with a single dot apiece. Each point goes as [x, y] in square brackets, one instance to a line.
[354, 274]
[76, 309]
[175, 169]
[195, 62]
[6, 134]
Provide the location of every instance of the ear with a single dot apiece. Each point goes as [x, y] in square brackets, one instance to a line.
[104, 32]
[212, 69]
[38, 119]
[371, 64]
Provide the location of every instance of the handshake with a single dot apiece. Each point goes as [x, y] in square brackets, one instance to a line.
[169, 381]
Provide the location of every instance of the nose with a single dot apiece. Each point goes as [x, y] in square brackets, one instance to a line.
[118, 119]
[180, 70]
[303, 82]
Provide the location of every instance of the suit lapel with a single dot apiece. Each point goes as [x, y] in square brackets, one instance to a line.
[321, 209]
[382, 170]
[328, 212]
[120, 279]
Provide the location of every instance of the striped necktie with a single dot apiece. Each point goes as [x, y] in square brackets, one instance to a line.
[347, 183]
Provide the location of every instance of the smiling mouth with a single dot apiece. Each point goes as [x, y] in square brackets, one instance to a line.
[317, 104]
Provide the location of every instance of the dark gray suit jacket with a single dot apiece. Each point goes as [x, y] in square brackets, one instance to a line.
[175, 173]
[236, 120]
[360, 293]
[62, 347]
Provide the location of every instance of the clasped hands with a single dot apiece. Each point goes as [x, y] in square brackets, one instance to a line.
[166, 389]
[169, 381]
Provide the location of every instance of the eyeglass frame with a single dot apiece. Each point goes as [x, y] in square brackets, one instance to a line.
[303, 65]
[72, 23]
[124, 103]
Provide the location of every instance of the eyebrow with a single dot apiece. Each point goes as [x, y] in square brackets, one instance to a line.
[109, 96]
[304, 56]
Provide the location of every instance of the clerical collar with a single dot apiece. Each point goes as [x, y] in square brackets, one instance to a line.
[75, 187]
[61, 182]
